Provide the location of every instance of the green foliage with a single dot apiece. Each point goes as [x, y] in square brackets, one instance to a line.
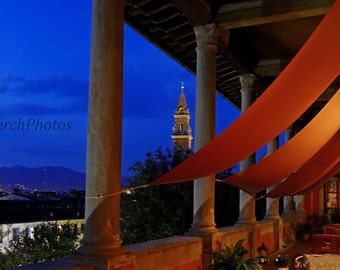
[330, 215]
[47, 241]
[234, 259]
[226, 204]
[304, 229]
[157, 211]
[282, 261]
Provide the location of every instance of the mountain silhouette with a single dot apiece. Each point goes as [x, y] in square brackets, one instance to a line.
[42, 178]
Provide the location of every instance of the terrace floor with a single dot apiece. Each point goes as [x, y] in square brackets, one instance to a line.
[293, 250]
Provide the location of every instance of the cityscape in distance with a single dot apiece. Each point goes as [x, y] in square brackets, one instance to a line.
[45, 178]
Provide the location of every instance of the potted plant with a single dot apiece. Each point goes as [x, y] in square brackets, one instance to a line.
[304, 230]
[262, 254]
[282, 262]
[234, 259]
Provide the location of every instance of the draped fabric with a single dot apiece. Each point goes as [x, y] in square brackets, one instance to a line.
[287, 159]
[322, 180]
[311, 71]
[313, 170]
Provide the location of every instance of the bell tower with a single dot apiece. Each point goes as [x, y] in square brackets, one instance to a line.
[181, 131]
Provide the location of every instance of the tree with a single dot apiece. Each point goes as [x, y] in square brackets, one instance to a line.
[157, 211]
[226, 201]
[46, 241]
[164, 210]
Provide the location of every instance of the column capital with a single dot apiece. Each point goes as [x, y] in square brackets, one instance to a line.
[247, 81]
[247, 90]
[206, 34]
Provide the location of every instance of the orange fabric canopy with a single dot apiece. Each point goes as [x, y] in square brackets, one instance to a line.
[287, 159]
[313, 170]
[296, 88]
[322, 180]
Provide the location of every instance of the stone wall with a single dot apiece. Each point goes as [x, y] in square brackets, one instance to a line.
[173, 253]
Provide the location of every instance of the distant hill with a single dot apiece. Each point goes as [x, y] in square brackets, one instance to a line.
[42, 178]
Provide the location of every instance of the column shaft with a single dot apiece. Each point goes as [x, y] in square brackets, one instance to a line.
[247, 201]
[104, 138]
[300, 207]
[272, 204]
[288, 201]
[204, 188]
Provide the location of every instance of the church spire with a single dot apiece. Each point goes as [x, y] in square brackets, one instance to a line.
[182, 102]
[181, 131]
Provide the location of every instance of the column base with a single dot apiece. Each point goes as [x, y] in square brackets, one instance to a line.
[199, 227]
[300, 217]
[207, 236]
[93, 260]
[288, 214]
[104, 251]
[198, 231]
[272, 218]
[249, 224]
[245, 222]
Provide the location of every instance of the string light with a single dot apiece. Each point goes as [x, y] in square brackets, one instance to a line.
[126, 190]
[130, 190]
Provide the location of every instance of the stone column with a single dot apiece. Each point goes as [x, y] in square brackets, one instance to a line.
[300, 208]
[288, 213]
[272, 204]
[288, 201]
[321, 205]
[104, 138]
[300, 212]
[204, 188]
[247, 201]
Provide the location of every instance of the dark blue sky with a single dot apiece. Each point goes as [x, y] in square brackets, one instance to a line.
[44, 77]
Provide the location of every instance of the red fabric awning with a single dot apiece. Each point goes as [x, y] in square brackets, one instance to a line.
[292, 155]
[312, 171]
[296, 88]
[322, 180]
